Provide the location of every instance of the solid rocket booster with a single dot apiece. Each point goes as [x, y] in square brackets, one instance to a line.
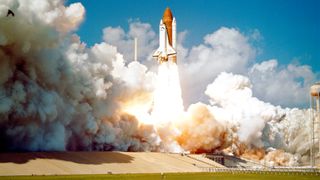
[167, 38]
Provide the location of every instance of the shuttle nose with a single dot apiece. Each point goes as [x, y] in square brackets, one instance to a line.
[167, 15]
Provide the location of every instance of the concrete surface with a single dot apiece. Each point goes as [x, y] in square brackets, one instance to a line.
[63, 163]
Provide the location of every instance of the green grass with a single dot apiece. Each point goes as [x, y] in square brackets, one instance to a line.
[172, 176]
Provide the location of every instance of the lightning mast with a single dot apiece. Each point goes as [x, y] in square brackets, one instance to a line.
[135, 58]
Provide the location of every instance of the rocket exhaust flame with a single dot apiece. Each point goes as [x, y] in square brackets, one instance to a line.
[168, 104]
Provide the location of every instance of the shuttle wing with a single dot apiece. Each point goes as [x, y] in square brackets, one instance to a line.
[170, 50]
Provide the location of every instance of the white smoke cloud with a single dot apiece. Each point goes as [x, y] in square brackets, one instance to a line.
[224, 50]
[56, 94]
[260, 124]
[52, 13]
[284, 86]
[234, 95]
[147, 40]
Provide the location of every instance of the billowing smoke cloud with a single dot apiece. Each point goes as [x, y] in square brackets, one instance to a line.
[202, 132]
[58, 94]
[147, 40]
[259, 124]
[281, 80]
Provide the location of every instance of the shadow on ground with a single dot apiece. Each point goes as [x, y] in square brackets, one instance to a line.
[76, 157]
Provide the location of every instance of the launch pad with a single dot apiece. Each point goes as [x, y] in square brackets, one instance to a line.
[129, 164]
[71, 163]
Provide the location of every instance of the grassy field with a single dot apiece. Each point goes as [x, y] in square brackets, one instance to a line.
[185, 176]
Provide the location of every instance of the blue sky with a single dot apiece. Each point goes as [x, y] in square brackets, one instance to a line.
[290, 28]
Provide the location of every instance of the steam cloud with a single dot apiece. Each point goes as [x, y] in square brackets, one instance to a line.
[56, 94]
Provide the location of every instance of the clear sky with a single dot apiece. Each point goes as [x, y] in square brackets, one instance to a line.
[290, 28]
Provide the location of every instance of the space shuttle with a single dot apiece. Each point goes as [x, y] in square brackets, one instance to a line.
[167, 50]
